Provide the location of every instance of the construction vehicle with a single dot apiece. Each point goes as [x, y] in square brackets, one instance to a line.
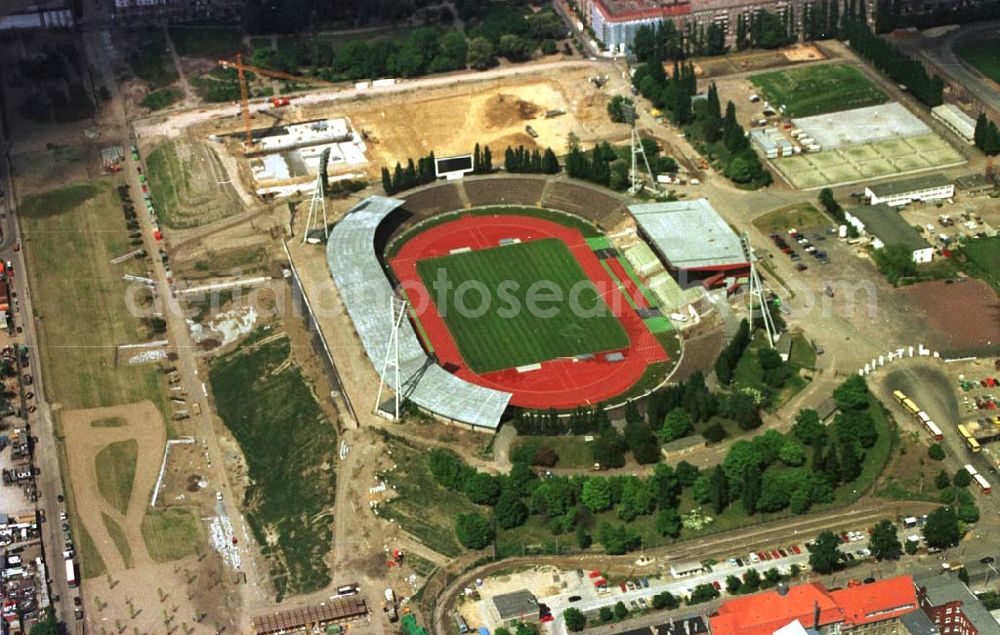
[531, 132]
[278, 102]
[241, 71]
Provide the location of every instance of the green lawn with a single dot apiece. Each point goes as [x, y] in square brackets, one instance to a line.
[290, 449]
[574, 452]
[422, 507]
[510, 331]
[171, 534]
[984, 55]
[70, 235]
[118, 537]
[983, 256]
[163, 98]
[206, 41]
[798, 216]
[115, 465]
[818, 89]
[149, 58]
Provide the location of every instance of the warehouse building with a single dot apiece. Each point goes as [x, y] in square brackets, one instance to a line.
[933, 187]
[519, 606]
[697, 246]
[883, 226]
[957, 121]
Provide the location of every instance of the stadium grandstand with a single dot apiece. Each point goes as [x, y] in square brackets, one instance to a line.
[696, 244]
[366, 291]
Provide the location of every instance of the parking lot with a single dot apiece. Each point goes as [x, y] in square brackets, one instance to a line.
[589, 591]
[830, 288]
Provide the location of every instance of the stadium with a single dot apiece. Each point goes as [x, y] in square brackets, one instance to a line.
[516, 295]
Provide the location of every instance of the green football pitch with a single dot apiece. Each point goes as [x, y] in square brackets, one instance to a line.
[505, 333]
[818, 89]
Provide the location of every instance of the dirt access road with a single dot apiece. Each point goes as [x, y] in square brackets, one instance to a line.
[174, 125]
[254, 591]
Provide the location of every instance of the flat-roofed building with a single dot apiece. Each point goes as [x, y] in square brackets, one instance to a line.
[957, 121]
[694, 241]
[883, 226]
[953, 608]
[519, 606]
[933, 187]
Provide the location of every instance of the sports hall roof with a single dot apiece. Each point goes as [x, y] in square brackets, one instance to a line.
[366, 292]
[690, 234]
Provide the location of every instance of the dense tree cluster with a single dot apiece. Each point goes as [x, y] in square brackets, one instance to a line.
[889, 59]
[507, 29]
[404, 178]
[987, 136]
[520, 160]
[895, 262]
[609, 165]
[616, 108]
[731, 354]
[831, 205]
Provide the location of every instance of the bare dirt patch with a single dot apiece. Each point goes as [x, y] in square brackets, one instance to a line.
[965, 314]
[187, 594]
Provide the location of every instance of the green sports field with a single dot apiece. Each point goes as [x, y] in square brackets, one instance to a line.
[985, 56]
[498, 335]
[818, 89]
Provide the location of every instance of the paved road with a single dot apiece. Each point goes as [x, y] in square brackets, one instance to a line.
[940, 53]
[49, 480]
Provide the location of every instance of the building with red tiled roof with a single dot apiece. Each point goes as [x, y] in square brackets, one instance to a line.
[872, 608]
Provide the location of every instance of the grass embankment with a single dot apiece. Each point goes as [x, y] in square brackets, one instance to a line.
[806, 91]
[171, 534]
[511, 333]
[984, 55]
[118, 537]
[115, 465]
[290, 449]
[421, 506]
[70, 235]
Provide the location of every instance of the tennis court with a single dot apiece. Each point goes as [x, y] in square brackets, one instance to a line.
[856, 163]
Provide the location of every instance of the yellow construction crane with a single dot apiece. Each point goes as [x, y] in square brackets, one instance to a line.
[241, 70]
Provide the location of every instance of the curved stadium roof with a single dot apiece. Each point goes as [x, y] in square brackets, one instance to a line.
[365, 291]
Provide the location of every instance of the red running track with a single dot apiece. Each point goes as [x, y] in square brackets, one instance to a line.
[559, 383]
[630, 287]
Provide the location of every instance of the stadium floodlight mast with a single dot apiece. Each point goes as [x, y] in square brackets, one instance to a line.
[392, 355]
[628, 112]
[317, 205]
[758, 292]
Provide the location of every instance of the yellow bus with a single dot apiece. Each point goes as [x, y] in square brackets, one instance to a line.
[898, 394]
[962, 430]
[909, 405]
[973, 445]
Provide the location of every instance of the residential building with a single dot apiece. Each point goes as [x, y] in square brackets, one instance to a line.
[519, 606]
[933, 187]
[872, 609]
[142, 11]
[957, 121]
[953, 608]
[695, 243]
[883, 225]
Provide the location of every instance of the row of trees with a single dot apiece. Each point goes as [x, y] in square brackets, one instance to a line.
[987, 137]
[889, 59]
[411, 176]
[609, 166]
[731, 354]
[521, 160]
[673, 94]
